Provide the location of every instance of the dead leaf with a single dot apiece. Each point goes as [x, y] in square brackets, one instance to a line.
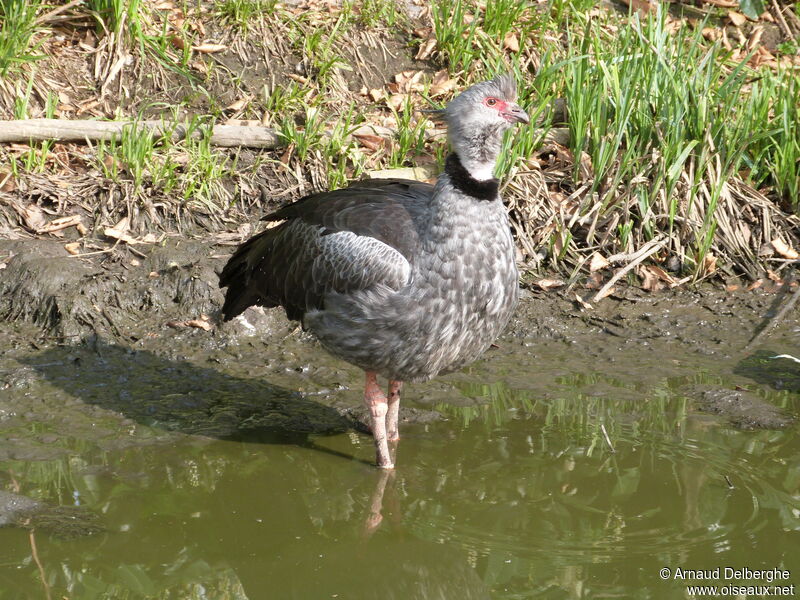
[239, 104]
[119, 235]
[784, 249]
[766, 250]
[7, 183]
[597, 262]
[709, 263]
[420, 173]
[209, 48]
[73, 248]
[594, 281]
[122, 224]
[441, 84]
[642, 6]
[549, 284]
[377, 94]
[59, 224]
[755, 285]
[199, 323]
[663, 275]
[650, 280]
[409, 81]
[737, 18]
[118, 232]
[373, 142]
[731, 287]
[511, 42]
[426, 48]
[34, 217]
[583, 303]
[396, 101]
[586, 168]
[605, 293]
[200, 66]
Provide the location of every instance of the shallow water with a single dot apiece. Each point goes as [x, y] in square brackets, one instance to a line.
[517, 493]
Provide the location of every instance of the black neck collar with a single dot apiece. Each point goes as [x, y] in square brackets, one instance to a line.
[466, 184]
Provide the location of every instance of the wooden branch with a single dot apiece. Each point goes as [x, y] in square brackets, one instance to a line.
[649, 248]
[63, 130]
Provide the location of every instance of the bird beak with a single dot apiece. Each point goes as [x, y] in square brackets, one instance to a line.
[513, 113]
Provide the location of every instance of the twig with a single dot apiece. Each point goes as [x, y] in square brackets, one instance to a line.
[58, 10]
[781, 21]
[770, 323]
[608, 439]
[655, 246]
[35, 556]
[722, 3]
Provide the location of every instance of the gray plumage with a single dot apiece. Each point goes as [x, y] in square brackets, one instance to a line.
[398, 277]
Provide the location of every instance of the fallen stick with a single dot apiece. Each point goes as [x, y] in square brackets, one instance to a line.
[251, 136]
[64, 130]
[638, 257]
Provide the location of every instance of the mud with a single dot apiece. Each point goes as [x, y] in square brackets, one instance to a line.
[744, 409]
[65, 522]
[109, 333]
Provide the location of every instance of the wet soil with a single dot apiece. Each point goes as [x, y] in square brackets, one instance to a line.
[139, 336]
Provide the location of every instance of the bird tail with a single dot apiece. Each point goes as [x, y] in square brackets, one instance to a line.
[237, 276]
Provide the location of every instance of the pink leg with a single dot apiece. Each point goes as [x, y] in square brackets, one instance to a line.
[376, 403]
[392, 416]
[375, 516]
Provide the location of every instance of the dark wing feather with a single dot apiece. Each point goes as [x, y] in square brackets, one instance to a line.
[384, 209]
[342, 241]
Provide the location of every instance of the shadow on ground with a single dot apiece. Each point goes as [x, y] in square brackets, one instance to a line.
[177, 395]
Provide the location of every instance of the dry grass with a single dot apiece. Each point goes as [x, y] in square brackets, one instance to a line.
[343, 87]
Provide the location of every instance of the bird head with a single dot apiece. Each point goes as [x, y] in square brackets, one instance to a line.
[476, 120]
[487, 103]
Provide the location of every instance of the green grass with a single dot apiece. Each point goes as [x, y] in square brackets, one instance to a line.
[410, 141]
[242, 13]
[321, 47]
[663, 109]
[191, 169]
[666, 130]
[17, 28]
[378, 13]
[117, 16]
[661, 123]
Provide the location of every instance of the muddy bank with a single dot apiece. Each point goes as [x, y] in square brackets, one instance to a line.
[126, 348]
[65, 522]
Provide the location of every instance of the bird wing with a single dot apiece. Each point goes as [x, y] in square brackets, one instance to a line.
[345, 240]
